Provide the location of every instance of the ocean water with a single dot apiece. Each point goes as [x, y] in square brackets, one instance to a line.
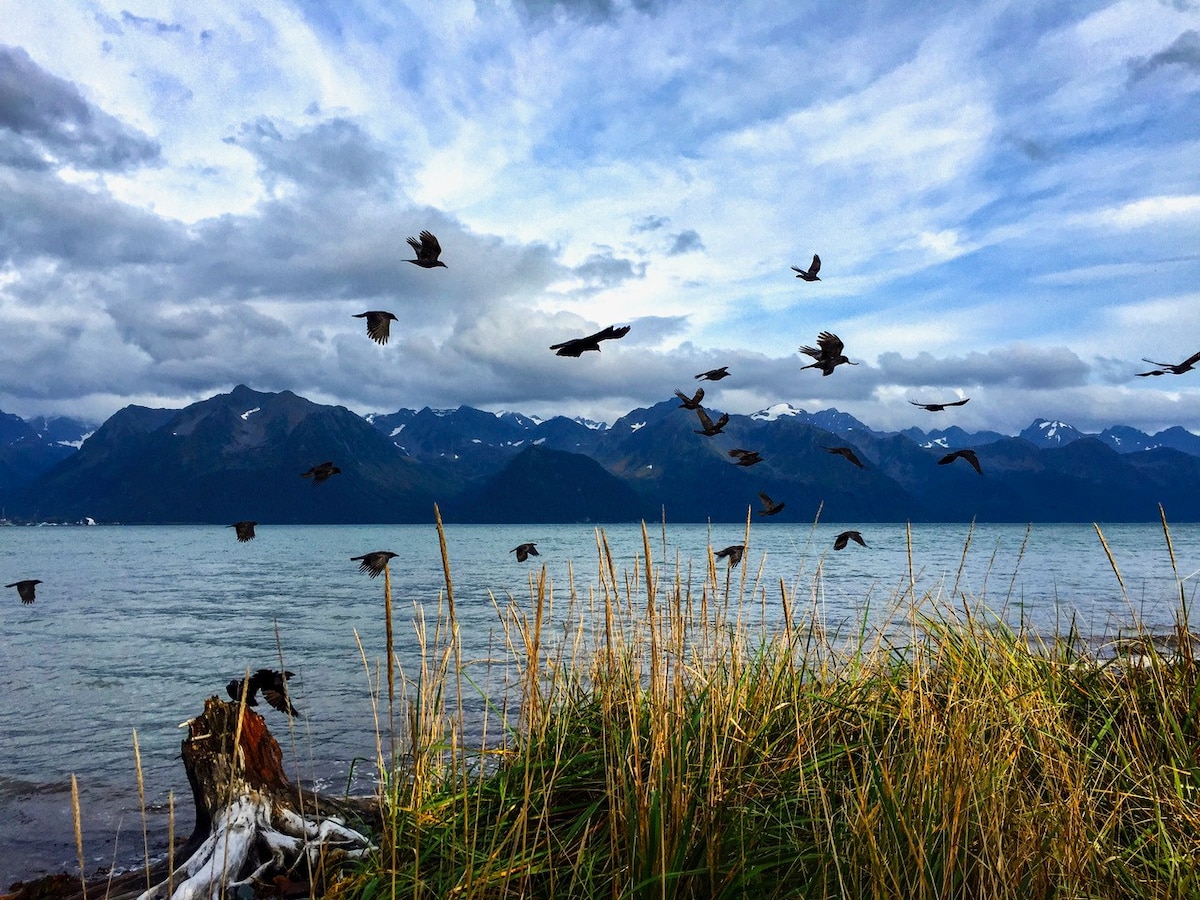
[134, 626]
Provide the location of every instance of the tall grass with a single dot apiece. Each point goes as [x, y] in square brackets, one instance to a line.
[658, 742]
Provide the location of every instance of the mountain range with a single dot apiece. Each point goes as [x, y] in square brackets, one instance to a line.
[240, 456]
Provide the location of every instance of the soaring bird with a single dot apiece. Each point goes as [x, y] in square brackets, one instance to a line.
[577, 346]
[746, 457]
[829, 357]
[938, 407]
[374, 563]
[714, 374]
[321, 472]
[968, 455]
[272, 685]
[840, 542]
[692, 402]
[770, 507]
[379, 324]
[709, 428]
[524, 551]
[245, 530]
[26, 589]
[733, 552]
[813, 268]
[428, 250]
[847, 452]
[1173, 368]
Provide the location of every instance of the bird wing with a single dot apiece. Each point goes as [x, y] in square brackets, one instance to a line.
[841, 540]
[723, 420]
[830, 344]
[815, 267]
[705, 422]
[810, 351]
[611, 333]
[378, 327]
[766, 501]
[922, 405]
[969, 456]
[430, 248]
[1190, 361]
[957, 402]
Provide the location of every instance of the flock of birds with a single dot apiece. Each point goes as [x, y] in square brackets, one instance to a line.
[827, 356]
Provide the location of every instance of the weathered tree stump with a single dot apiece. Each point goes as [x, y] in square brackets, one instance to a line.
[254, 829]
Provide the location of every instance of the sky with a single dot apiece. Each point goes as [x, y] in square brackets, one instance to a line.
[1005, 195]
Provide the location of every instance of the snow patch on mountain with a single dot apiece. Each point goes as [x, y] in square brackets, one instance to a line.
[771, 413]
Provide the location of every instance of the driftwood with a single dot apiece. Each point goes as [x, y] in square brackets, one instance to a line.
[254, 829]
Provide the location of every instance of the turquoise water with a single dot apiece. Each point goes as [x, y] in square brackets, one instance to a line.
[134, 626]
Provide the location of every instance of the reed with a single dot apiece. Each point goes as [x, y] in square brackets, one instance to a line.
[658, 743]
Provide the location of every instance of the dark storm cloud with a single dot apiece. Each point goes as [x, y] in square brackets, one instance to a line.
[1032, 368]
[604, 270]
[45, 217]
[685, 242]
[1183, 51]
[45, 121]
[334, 154]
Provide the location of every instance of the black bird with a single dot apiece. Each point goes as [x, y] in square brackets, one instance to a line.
[26, 589]
[374, 563]
[813, 268]
[938, 407]
[968, 455]
[245, 530]
[428, 250]
[524, 551]
[846, 452]
[379, 324]
[746, 457]
[272, 685]
[321, 472]
[840, 542]
[709, 428]
[577, 346]
[1173, 368]
[692, 402]
[714, 374]
[770, 507]
[733, 552]
[830, 356]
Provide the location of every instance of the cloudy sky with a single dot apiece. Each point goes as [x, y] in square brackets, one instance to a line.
[1005, 197]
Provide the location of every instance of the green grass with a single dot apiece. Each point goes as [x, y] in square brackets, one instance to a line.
[659, 745]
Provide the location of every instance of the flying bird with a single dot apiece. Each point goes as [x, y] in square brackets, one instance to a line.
[829, 357]
[840, 542]
[577, 346]
[709, 428]
[321, 472]
[26, 589]
[847, 452]
[938, 407]
[1173, 368]
[813, 268]
[746, 457]
[379, 324]
[428, 250]
[524, 551]
[714, 374]
[968, 455]
[733, 552]
[374, 563]
[245, 530]
[692, 402]
[270, 683]
[770, 507]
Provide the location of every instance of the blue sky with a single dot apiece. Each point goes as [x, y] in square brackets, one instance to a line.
[1005, 197]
